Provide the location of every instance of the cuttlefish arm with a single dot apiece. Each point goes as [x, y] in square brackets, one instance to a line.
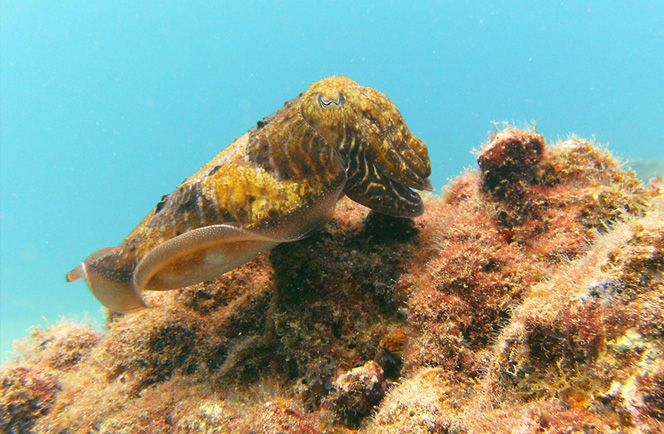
[275, 184]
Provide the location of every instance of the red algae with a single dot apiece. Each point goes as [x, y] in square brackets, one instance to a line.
[528, 298]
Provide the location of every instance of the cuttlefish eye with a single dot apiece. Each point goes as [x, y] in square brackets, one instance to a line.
[330, 102]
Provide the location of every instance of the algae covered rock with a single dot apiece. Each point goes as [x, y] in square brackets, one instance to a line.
[528, 298]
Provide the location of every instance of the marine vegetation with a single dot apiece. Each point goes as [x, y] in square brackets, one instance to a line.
[527, 298]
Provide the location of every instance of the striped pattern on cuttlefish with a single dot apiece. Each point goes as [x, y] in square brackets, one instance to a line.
[277, 183]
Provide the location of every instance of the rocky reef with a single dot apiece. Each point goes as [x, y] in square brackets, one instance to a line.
[529, 298]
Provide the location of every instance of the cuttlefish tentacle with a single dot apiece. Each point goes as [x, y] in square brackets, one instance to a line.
[277, 183]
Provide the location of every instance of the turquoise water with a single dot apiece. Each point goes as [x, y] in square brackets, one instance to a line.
[106, 106]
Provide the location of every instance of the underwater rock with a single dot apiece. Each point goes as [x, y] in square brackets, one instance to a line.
[357, 392]
[509, 161]
[527, 298]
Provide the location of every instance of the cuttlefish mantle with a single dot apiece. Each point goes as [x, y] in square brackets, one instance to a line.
[277, 183]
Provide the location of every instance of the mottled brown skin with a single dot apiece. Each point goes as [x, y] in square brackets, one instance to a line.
[382, 158]
[276, 183]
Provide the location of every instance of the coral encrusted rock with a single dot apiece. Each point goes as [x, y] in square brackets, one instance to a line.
[528, 298]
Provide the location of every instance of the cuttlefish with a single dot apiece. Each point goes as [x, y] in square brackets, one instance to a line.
[277, 183]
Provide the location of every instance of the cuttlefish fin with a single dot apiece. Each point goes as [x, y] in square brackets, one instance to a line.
[114, 291]
[79, 272]
[199, 255]
[205, 253]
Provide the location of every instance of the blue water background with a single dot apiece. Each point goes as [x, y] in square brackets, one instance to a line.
[106, 106]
